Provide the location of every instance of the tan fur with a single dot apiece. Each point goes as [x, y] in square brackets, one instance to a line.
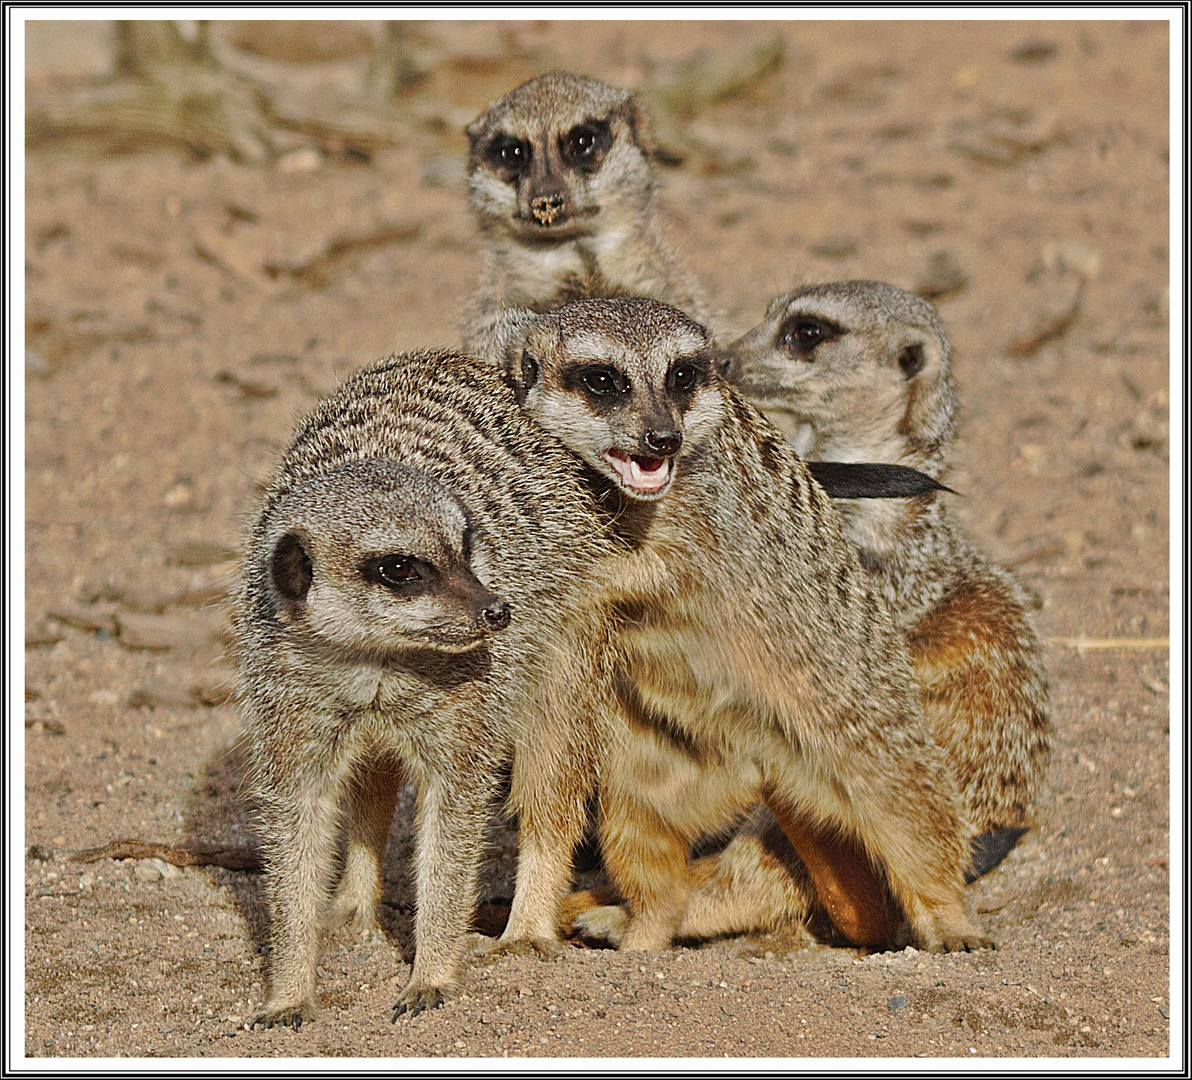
[976, 657]
[559, 229]
[751, 657]
[348, 675]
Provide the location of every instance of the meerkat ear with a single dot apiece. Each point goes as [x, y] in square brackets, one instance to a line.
[641, 131]
[291, 568]
[529, 370]
[520, 373]
[911, 360]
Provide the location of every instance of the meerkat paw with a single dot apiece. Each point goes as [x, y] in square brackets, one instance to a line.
[285, 1014]
[542, 948]
[607, 923]
[953, 932]
[355, 919]
[646, 936]
[417, 999]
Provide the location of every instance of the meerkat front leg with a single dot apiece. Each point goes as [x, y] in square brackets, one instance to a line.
[300, 830]
[551, 819]
[372, 795]
[647, 857]
[453, 811]
[553, 777]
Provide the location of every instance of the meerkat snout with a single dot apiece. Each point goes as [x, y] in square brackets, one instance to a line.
[546, 208]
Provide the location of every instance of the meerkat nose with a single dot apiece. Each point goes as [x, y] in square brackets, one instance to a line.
[496, 616]
[664, 442]
[548, 207]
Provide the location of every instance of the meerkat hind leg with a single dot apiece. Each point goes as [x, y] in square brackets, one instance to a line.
[757, 882]
[845, 881]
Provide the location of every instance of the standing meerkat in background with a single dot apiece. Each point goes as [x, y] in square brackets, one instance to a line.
[754, 658]
[562, 186]
[861, 371]
[406, 578]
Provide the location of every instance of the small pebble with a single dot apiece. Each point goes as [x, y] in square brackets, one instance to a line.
[304, 159]
[896, 1003]
[179, 495]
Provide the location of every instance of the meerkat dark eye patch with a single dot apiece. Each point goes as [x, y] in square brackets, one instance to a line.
[911, 360]
[597, 382]
[290, 568]
[801, 335]
[687, 374]
[584, 146]
[394, 571]
[509, 155]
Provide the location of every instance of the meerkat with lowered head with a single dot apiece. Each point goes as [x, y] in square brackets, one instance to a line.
[861, 371]
[562, 187]
[403, 585]
[751, 655]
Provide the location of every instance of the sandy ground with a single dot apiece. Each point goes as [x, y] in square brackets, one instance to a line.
[182, 314]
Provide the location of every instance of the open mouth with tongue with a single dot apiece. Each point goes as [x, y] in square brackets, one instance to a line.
[640, 475]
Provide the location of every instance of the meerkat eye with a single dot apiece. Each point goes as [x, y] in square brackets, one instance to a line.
[585, 144]
[393, 571]
[603, 381]
[684, 376]
[802, 334]
[509, 154]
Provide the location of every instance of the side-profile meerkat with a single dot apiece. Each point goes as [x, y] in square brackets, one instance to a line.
[861, 371]
[751, 655]
[562, 187]
[403, 586]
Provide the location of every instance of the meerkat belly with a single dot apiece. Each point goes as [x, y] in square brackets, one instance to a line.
[690, 682]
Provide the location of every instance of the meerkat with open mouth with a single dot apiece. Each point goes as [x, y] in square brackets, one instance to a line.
[752, 658]
[861, 371]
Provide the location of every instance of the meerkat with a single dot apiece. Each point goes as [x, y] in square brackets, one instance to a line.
[861, 371]
[750, 655]
[402, 588]
[562, 186]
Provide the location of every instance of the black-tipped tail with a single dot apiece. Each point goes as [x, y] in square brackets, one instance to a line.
[990, 848]
[853, 480]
